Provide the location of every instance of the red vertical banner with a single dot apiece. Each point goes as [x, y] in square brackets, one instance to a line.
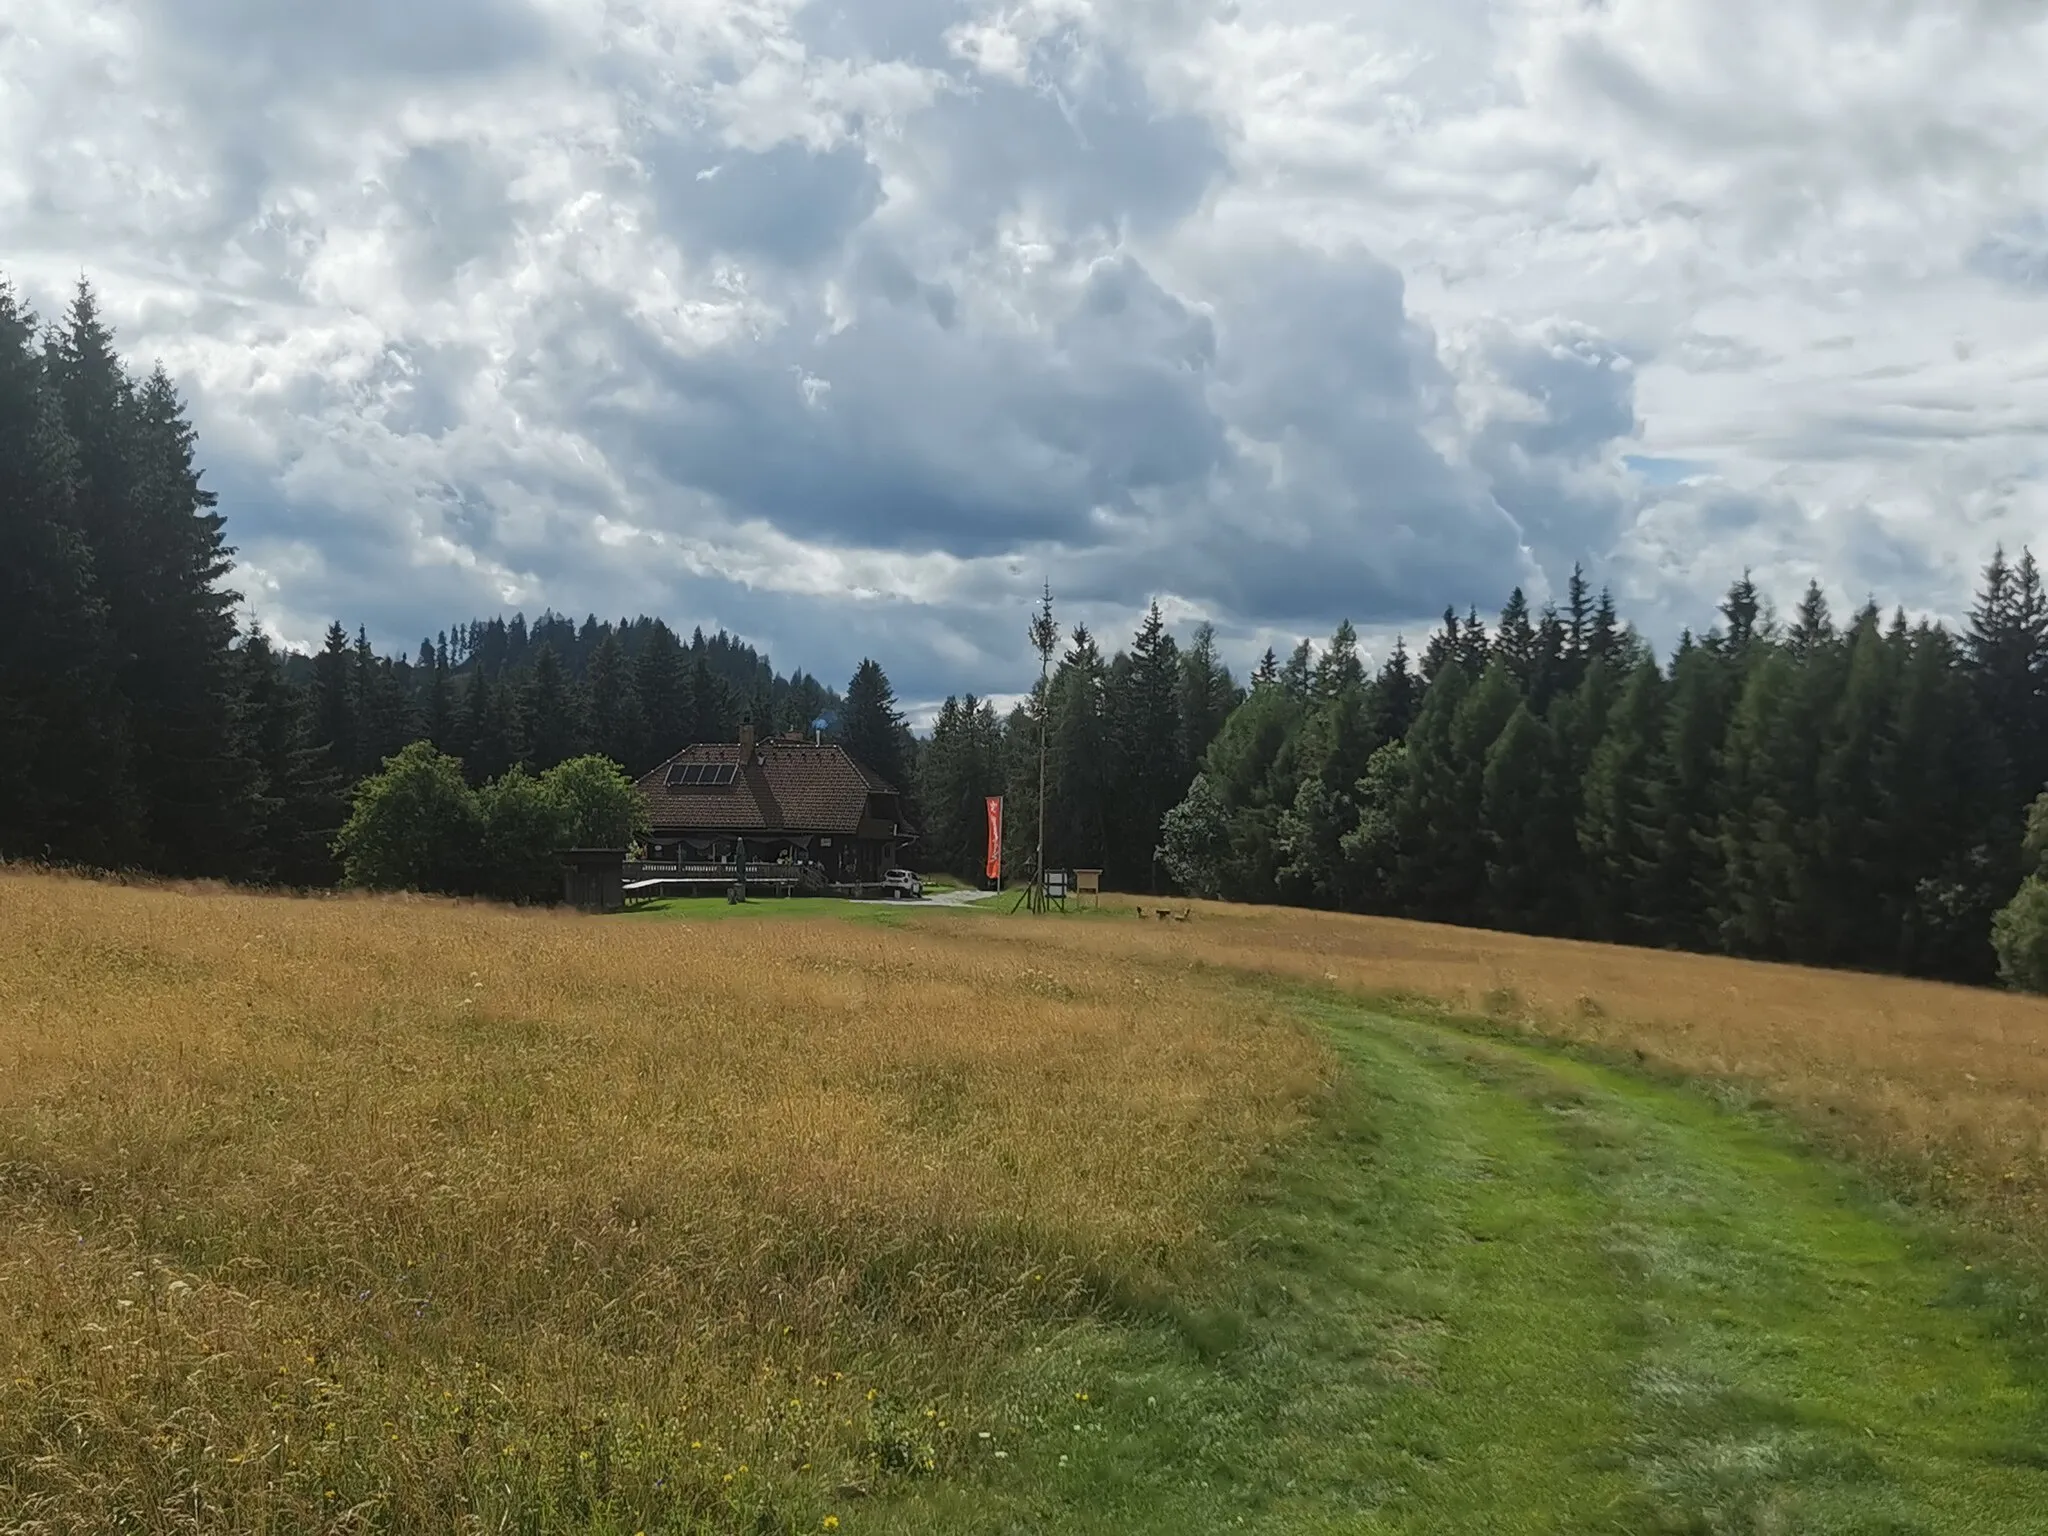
[995, 837]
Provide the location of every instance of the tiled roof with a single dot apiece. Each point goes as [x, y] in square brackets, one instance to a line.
[789, 787]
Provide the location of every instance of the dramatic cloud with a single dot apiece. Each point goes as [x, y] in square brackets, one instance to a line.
[846, 324]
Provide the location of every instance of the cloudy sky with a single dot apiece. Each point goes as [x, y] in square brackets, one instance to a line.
[845, 324]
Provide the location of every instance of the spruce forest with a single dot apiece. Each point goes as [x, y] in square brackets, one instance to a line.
[1848, 791]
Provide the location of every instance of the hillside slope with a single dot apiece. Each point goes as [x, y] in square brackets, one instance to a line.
[404, 1215]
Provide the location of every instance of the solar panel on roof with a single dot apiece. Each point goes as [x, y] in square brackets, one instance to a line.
[701, 775]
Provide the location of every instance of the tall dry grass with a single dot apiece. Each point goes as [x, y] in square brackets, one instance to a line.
[1943, 1090]
[350, 1214]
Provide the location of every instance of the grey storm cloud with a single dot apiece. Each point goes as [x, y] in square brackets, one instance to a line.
[847, 324]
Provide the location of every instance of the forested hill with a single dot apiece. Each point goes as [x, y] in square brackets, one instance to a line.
[499, 691]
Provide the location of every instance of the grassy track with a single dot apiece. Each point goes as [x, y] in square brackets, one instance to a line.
[1509, 1292]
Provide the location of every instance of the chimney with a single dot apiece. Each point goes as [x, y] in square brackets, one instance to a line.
[747, 739]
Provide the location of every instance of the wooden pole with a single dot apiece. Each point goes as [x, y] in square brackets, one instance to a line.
[1045, 635]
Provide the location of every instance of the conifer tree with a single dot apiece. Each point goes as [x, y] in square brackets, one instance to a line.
[1947, 821]
[617, 727]
[1579, 619]
[1441, 834]
[296, 807]
[1555, 669]
[384, 717]
[1299, 667]
[437, 710]
[1208, 694]
[1143, 702]
[2006, 644]
[661, 680]
[1526, 819]
[333, 702]
[871, 727]
[553, 714]
[1396, 695]
[1617, 841]
[1514, 640]
[159, 561]
[1444, 647]
[1852, 888]
[491, 727]
[1475, 647]
[1767, 794]
[1081, 764]
[1606, 631]
[711, 712]
[65, 790]
[1681, 889]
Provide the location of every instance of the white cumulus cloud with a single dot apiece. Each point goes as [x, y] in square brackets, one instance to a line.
[846, 324]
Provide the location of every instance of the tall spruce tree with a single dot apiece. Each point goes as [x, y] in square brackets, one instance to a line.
[65, 789]
[2006, 644]
[1080, 764]
[160, 561]
[384, 718]
[1681, 889]
[1143, 701]
[334, 701]
[1616, 826]
[297, 807]
[871, 727]
[553, 711]
[1526, 817]
[1948, 823]
[660, 678]
[1208, 694]
[1515, 640]
[711, 713]
[1443, 868]
[618, 728]
[491, 728]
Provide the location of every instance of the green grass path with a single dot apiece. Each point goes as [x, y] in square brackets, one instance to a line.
[1500, 1290]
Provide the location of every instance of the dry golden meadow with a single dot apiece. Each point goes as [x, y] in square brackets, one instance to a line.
[341, 1213]
[422, 1210]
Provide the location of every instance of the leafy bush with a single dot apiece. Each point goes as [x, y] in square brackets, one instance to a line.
[603, 808]
[414, 826]
[417, 825]
[524, 827]
[2020, 935]
[1194, 839]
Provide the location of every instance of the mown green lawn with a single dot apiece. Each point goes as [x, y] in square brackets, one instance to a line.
[717, 909]
[1499, 1290]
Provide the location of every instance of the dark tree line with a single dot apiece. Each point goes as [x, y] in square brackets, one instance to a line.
[1846, 792]
[498, 694]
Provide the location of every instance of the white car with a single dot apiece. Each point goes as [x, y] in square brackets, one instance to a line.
[902, 882]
